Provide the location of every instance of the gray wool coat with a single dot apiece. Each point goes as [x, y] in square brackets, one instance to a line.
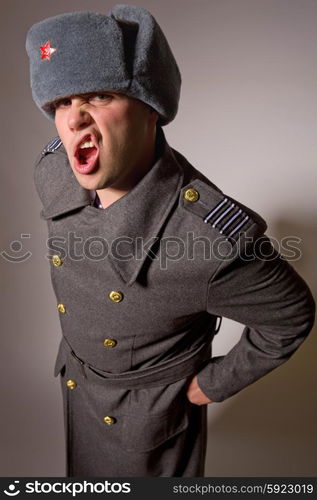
[141, 287]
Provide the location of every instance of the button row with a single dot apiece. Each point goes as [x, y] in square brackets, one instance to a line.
[113, 296]
[190, 194]
[71, 384]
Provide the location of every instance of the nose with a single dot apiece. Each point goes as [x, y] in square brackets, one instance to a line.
[78, 116]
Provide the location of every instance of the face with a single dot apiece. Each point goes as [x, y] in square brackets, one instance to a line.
[109, 138]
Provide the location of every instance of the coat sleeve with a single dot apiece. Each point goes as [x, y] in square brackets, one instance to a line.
[268, 296]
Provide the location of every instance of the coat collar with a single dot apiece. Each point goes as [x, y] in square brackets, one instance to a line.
[134, 221]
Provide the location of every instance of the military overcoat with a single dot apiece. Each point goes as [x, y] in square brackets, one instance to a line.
[141, 287]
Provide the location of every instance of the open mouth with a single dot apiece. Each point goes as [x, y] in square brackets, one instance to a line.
[86, 155]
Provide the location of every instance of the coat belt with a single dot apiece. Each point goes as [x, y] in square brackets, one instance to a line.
[165, 372]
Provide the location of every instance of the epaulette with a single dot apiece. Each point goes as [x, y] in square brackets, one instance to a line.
[227, 217]
[222, 212]
[52, 146]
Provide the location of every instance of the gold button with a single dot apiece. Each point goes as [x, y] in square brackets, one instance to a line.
[115, 296]
[109, 343]
[191, 195]
[109, 420]
[57, 261]
[71, 384]
[61, 308]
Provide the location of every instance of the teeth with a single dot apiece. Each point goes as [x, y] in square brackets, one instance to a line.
[86, 144]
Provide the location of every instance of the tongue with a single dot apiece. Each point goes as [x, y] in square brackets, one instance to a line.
[85, 154]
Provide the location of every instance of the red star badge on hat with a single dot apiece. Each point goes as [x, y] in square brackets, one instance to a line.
[47, 50]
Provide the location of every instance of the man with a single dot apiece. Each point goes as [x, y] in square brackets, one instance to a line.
[146, 255]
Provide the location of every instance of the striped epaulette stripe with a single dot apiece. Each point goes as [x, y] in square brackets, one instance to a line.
[52, 146]
[227, 217]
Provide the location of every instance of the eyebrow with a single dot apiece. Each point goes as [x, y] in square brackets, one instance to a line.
[85, 95]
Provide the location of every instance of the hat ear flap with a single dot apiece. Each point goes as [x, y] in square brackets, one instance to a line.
[129, 32]
[155, 75]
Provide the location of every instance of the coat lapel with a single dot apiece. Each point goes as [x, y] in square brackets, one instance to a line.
[133, 222]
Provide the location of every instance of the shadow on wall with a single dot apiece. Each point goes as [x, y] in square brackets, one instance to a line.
[269, 429]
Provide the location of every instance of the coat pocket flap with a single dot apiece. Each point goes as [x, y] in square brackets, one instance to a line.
[145, 432]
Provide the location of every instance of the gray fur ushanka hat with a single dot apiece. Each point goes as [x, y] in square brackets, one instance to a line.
[124, 51]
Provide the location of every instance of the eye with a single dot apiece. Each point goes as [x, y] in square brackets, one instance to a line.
[101, 98]
[62, 103]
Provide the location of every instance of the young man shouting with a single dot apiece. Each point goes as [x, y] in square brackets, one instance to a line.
[146, 255]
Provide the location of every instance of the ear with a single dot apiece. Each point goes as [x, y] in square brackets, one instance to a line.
[154, 114]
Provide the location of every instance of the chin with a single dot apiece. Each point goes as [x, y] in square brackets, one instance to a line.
[85, 180]
[88, 182]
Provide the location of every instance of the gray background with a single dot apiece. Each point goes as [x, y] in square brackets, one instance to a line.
[247, 120]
